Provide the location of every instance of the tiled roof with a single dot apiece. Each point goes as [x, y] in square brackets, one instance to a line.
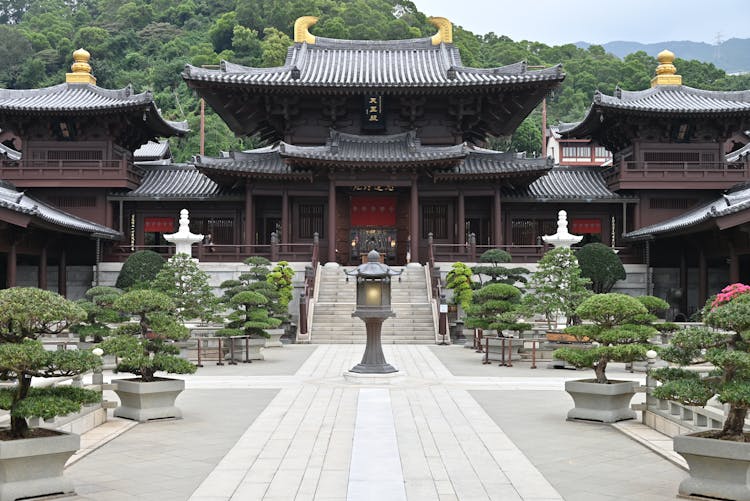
[176, 182]
[727, 204]
[260, 163]
[17, 201]
[372, 65]
[85, 98]
[665, 100]
[481, 163]
[393, 149]
[9, 152]
[153, 150]
[568, 183]
[739, 155]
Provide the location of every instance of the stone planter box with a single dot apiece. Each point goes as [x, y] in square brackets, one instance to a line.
[142, 402]
[275, 340]
[718, 468]
[606, 403]
[33, 467]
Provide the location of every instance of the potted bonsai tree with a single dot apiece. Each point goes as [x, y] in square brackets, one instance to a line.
[280, 277]
[249, 317]
[489, 267]
[143, 348]
[459, 280]
[558, 289]
[616, 336]
[25, 315]
[719, 460]
[98, 304]
[496, 307]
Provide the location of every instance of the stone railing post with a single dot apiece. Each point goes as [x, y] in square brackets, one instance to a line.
[274, 246]
[472, 247]
[302, 313]
[430, 250]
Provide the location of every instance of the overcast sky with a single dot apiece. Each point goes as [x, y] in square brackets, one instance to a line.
[557, 22]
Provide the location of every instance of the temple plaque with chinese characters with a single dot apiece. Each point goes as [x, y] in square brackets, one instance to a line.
[373, 118]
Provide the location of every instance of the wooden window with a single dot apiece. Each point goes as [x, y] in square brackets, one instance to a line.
[310, 220]
[435, 221]
[71, 155]
[671, 156]
[671, 203]
[530, 231]
[220, 228]
[72, 202]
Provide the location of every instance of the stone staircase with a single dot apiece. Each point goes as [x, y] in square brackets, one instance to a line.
[333, 322]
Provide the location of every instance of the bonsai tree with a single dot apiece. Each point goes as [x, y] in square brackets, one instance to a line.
[249, 316]
[98, 303]
[558, 286]
[147, 346]
[656, 307]
[459, 281]
[495, 306]
[26, 314]
[601, 265]
[727, 349]
[615, 333]
[256, 279]
[139, 270]
[490, 266]
[187, 285]
[280, 277]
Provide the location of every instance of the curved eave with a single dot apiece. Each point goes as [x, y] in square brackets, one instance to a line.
[215, 172]
[408, 164]
[459, 176]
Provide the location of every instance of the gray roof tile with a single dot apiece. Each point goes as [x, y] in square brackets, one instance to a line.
[729, 203]
[18, 201]
[260, 163]
[481, 163]
[176, 181]
[738, 155]
[392, 149]
[373, 64]
[153, 150]
[567, 183]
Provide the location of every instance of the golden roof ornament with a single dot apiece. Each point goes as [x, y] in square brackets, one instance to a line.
[666, 73]
[445, 30]
[302, 29]
[81, 69]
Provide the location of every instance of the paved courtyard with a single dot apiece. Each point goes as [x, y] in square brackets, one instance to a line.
[450, 428]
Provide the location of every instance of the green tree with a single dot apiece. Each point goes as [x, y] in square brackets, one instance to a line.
[273, 47]
[139, 270]
[26, 314]
[490, 266]
[186, 284]
[495, 306]
[280, 277]
[98, 303]
[459, 281]
[601, 266]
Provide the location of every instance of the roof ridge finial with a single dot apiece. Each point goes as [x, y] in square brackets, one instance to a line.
[445, 30]
[302, 29]
[81, 69]
[666, 73]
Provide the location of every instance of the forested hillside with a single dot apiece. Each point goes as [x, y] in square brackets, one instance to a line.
[147, 43]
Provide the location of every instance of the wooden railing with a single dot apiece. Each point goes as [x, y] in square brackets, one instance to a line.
[676, 171]
[307, 296]
[51, 170]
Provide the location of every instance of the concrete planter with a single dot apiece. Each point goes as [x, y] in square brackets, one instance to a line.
[33, 467]
[275, 340]
[718, 468]
[606, 403]
[142, 402]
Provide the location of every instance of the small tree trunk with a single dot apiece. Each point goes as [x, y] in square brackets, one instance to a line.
[18, 425]
[735, 423]
[601, 366]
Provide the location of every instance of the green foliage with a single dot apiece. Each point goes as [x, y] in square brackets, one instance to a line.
[26, 314]
[558, 286]
[491, 267]
[183, 281]
[601, 266]
[655, 305]
[98, 303]
[280, 277]
[615, 334]
[147, 346]
[495, 306]
[459, 281]
[139, 270]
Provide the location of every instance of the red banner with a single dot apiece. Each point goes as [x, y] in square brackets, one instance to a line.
[373, 211]
[580, 226]
[158, 225]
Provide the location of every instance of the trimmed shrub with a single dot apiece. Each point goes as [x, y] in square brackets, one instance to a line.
[601, 265]
[139, 270]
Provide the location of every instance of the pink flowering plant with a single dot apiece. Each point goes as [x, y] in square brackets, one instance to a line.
[728, 293]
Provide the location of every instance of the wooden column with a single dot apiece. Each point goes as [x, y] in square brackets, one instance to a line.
[414, 220]
[331, 219]
[734, 265]
[62, 274]
[461, 216]
[702, 278]
[284, 219]
[497, 220]
[683, 282]
[11, 265]
[42, 269]
[249, 219]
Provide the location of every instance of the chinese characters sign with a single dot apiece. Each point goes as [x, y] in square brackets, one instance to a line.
[373, 118]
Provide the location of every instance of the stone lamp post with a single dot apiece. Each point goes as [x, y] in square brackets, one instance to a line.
[183, 239]
[562, 238]
[373, 307]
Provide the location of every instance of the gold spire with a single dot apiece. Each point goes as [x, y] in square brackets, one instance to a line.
[81, 69]
[302, 29]
[666, 73]
[445, 30]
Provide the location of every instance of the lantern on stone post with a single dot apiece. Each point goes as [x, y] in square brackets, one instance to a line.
[373, 307]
